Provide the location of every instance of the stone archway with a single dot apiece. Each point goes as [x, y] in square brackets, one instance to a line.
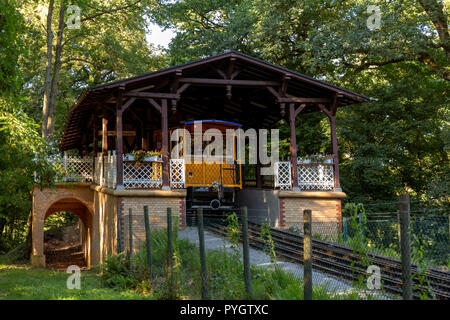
[59, 258]
[77, 199]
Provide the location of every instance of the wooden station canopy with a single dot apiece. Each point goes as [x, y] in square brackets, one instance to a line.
[231, 86]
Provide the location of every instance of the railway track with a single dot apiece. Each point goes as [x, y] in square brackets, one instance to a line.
[342, 262]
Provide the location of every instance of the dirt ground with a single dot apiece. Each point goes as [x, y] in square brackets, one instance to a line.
[63, 248]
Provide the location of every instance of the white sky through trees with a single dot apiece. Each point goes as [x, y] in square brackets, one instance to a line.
[158, 37]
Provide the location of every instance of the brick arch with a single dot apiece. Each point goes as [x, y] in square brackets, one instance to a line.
[77, 199]
[74, 206]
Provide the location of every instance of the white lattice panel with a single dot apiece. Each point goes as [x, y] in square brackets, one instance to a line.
[315, 177]
[283, 178]
[77, 168]
[177, 173]
[110, 170]
[98, 174]
[142, 175]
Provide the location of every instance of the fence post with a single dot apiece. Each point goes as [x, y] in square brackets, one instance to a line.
[201, 238]
[246, 253]
[405, 246]
[307, 259]
[169, 237]
[149, 241]
[130, 236]
[119, 229]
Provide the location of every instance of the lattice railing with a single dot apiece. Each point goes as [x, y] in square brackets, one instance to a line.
[283, 179]
[77, 168]
[142, 175]
[315, 177]
[311, 176]
[98, 173]
[177, 173]
[110, 169]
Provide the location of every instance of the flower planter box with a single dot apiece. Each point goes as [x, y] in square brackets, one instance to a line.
[152, 158]
[130, 157]
[315, 161]
[302, 160]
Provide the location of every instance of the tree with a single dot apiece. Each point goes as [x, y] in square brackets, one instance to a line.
[386, 146]
[118, 28]
[21, 148]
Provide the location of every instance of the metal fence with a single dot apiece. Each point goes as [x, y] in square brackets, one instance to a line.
[246, 255]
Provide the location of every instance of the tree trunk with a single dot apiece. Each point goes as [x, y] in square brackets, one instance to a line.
[29, 240]
[56, 73]
[48, 70]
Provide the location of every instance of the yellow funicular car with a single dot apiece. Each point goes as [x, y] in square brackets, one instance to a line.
[213, 178]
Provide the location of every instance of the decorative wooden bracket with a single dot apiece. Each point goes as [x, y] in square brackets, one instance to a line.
[154, 104]
[174, 88]
[299, 109]
[229, 73]
[128, 103]
[325, 110]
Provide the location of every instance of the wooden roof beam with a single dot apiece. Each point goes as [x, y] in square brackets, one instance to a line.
[222, 82]
[152, 95]
[305, 100]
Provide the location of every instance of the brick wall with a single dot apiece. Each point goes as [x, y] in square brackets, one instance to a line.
[157, 209]
[326, 214]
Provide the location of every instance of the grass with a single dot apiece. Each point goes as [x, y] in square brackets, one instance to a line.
[19, 282]
[225, 276]
[225, 279]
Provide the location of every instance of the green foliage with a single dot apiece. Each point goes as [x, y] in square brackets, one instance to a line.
[116, 272]
[11, 46]
[358, 240]
[433, 232]
[60, 220]
[269, 244]
[277, 284]
[233, 233]
[424, 285]
[398, 141]
[225, 275]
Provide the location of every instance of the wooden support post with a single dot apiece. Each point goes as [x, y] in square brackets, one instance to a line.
[293, 147]
[405, 246]
[146, 138]
[165, 145]
[95, 146]
[169, 238]
[334, 144]
[119, 142]
[245, 249]
[119, 227]
[201, 238]
[104, 143]
[307, 255]
[258, 162]
[104, 135]
[86, 146]
[170, 251]
[149, 242]
[130, 237]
